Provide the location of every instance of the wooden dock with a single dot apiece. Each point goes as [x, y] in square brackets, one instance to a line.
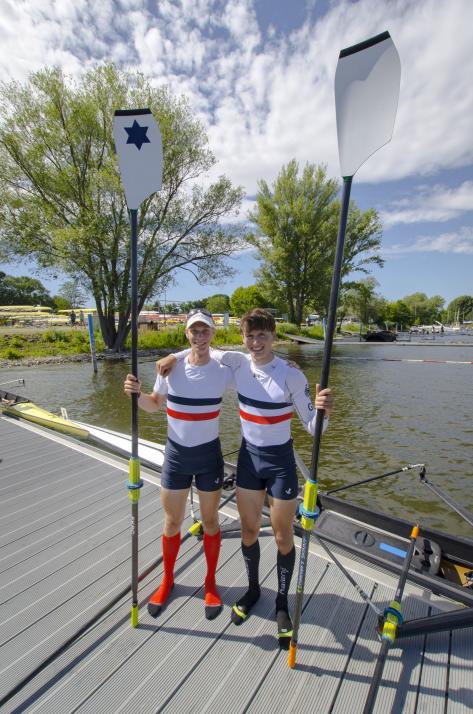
[65, 556]
[303, 340]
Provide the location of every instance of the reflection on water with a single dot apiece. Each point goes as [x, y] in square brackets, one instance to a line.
[387, 414]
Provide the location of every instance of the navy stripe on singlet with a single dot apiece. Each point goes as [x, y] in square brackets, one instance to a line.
[193, 402]
[262, 405]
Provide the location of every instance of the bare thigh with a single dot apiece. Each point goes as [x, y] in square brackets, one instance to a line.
[209, 502]
[250, 505]
[282, 518]
[174, 504]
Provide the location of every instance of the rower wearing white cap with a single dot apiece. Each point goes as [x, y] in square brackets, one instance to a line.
[193, 395]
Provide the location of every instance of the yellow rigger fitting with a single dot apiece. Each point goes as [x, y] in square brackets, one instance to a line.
[391, 621]
[134, 615]
[134, 478]
[196, 529]
[310, 504]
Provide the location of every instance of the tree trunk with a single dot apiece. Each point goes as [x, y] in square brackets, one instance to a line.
[299, 310]
[107, 328]
[122, 331]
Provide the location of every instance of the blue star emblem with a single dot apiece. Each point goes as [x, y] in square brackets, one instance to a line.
[137, 135]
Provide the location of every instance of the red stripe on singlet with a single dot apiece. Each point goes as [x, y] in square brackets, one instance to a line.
[265, 419]
[187, 416]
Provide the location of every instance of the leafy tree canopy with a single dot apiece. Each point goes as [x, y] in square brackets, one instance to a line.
[360, 299]
[461, 308]
[23, 291]
[399, 313]
[244, 299]
[61, 200]
[424, 309]
[218, 303]
[60, 303]
[73, 293]
[297, 222]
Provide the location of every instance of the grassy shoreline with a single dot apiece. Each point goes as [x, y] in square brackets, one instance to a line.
[32, 347]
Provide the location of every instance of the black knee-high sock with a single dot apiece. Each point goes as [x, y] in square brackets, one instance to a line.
[251, 556]
[285, 566]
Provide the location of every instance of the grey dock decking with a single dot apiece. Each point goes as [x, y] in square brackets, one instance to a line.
[65, 554]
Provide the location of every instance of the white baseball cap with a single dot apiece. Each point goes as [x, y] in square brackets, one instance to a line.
[200, 314]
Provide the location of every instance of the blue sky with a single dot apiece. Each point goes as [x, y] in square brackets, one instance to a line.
[259, 74]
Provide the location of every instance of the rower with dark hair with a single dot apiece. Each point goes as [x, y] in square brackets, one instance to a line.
[269, 390]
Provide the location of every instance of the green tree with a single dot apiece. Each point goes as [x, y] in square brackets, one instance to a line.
[191, 305]
[61, 303]
[297, 223]
[218, 303]
[61, 201]
[399, 313]
[363, 301]
[72, 291]
[425, 310]
[23, 291]
[461, 308]
[244, 299]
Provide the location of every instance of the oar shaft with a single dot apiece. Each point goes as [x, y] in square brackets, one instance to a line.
[407, 563]
[335, 288]
[134, 472]
[291, 660]
[134, 329]
[311, 486]
[377, 675]
[332, 320]
[391, 621]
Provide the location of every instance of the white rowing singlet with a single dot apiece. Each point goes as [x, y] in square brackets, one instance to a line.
[194, 397]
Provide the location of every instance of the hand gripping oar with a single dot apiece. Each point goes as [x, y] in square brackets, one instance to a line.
[366, 95]
[392, 618]
[140, 156]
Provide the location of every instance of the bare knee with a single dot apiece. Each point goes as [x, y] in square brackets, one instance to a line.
[172, 524]
[211, 524]
[284, 540]
[249, 531]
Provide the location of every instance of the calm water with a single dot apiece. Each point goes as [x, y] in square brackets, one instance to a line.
[387, 414]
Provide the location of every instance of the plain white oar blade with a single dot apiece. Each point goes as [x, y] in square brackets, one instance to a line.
[140, 154]
[367, 84]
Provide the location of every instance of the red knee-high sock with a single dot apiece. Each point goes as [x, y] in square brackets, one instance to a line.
[212, 551]
[170, 550]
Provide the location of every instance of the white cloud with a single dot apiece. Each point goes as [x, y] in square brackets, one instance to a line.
[268, 98]
[460, 242]
[431, 204]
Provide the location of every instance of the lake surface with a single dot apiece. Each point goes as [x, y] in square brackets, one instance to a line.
[388, 413]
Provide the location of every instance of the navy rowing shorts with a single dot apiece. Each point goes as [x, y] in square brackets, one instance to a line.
[268, 468]
[182, 463]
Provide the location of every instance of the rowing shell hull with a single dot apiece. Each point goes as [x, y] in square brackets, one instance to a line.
[30, 412]
[149, 452]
